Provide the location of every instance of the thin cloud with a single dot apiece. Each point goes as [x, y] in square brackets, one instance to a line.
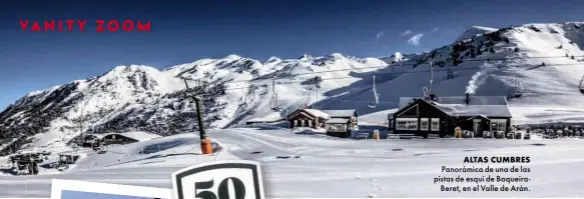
[406, 33]
[379, 34]
[436, 29]
[415, 40]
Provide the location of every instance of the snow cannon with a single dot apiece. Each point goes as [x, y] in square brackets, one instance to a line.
[376, 135]
[457, 132]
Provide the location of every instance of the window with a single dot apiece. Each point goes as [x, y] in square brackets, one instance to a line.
[337, 127]
[295, 123]
[435, 124]
[408, 124]
[310, 123]
[498, 125]
[424, 124]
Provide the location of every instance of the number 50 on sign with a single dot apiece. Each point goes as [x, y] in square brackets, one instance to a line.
[238, 179]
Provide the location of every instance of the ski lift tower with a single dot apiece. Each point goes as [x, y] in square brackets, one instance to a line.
[428, 89]
[206, 147]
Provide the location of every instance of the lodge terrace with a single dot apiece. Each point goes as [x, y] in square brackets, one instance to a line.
[441, 115]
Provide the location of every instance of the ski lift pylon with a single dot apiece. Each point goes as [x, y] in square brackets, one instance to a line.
[274, 100]
[375, 95]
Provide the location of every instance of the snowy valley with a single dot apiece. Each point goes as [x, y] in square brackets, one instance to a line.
[543, 62]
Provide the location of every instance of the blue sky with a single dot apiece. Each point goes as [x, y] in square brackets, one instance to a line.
[185, 31]
[66, 194]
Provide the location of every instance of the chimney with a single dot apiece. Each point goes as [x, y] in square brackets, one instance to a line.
[467, 99]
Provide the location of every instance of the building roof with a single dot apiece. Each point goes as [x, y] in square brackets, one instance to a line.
[488, 106]
[337, 121]
[340, 113]
[317, 113]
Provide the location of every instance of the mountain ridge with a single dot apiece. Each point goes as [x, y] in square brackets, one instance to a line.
[236, 88]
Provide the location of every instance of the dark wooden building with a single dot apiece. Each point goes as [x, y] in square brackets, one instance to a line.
[341, 122]
[441, 115]
[312, 118]
[338, 123]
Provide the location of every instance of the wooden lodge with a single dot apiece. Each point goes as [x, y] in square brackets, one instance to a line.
[338, 123]
[441, 115]
[341, 122]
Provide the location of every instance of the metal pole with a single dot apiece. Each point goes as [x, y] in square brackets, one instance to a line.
[202, 133]
[431, 77]
[205, 144]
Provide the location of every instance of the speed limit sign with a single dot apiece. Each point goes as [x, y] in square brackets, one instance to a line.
[237, 179]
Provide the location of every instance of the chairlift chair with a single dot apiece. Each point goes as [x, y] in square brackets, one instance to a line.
[581, 87]
[375, 95]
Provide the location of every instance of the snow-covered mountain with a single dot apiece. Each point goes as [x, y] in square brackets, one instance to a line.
[235, 89]
[475, 31]
[500, 62]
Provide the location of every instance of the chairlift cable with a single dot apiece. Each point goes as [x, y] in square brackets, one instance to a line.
[401, 64]
[394, 73]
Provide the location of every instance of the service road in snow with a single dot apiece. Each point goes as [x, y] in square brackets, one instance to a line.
[319, 166]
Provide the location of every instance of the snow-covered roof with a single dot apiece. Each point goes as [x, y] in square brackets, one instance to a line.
[474, 100]
[138, 135]
[337, 121]
[340, 113]
[489, 106]
[473, 110]
[273, 117]
[317, 113]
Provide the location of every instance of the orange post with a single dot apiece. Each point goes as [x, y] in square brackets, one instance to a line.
[458, 132]
[206, 147]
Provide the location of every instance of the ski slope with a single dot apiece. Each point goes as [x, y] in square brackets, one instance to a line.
[550, 93]
[301, 165]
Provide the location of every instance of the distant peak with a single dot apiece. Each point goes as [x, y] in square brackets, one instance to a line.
[273, 59]
[305, 57]
[475, 30]
[129, 67]
[232, 57]
[336, 55]
[482, 28]
[397, 54]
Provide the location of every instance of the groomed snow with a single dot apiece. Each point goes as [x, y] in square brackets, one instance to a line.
[315, 165]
